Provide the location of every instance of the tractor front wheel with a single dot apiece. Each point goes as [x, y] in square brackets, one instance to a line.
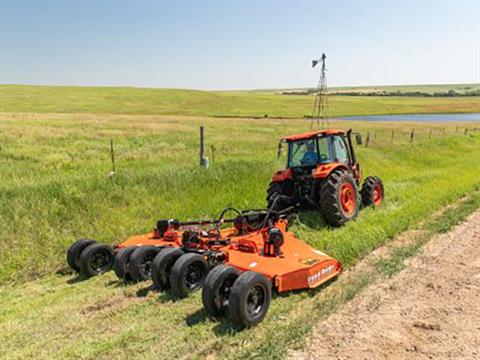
[275, 189]
[339, 198]
[372, 191]
[216, 290]
[188, 274]
[249, 299]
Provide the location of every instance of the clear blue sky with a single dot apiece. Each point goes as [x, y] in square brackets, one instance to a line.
[238, 44]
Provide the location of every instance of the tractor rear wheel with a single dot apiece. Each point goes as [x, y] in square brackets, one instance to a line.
[275, 189]
[188, 274]
[249, 299]
[121, 262]
[162, 266]
[216, 290]
[140, 265]
[74, 251]
[95, 259]
[372, 191]
[339, 198]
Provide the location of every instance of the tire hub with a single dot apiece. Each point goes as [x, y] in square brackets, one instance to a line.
[347, 198]
[193, 276]
[100, 260]
[377, 195]
[255, 299]
[146, 265]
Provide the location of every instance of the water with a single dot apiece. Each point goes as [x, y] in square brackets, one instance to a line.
[417, 117]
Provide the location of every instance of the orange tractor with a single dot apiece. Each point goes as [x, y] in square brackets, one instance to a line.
[323, 173]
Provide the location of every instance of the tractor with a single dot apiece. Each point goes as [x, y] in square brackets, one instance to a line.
[322, 173]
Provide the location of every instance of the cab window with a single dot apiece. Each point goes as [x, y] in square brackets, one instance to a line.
[303, 153]
[341, 151]
[325, 154]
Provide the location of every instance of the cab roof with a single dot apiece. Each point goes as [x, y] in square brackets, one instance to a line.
[312, 134]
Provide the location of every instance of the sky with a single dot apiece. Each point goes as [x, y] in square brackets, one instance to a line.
[238, 44]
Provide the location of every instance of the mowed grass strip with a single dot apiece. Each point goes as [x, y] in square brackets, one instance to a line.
[59, 198]
[117, 100]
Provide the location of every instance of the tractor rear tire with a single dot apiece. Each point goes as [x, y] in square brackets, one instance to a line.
[188, 274]
[140, 264]
[339, 198]
[162, 266]
[372, 191]
[74, 251]
[249, 299]
[96, 259]
[216, 290]
[274, 189]
[121, 263]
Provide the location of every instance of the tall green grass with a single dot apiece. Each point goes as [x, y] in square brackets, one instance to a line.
[54, 188]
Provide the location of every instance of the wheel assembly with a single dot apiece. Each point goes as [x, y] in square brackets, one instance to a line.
[95, 259]
[74, 251]
[249, 299]
[140, 263]
[162, 266]
[188, 274]
[217, 288]
[372, 191]
[121, 263]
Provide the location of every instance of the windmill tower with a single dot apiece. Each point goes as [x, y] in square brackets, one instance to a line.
[320, 106]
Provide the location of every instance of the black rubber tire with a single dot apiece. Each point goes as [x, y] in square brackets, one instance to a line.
[368, 188]
[180, 276]
[121, 263]
[239, 297]
[74, 251]
[141, 260]
[216, 290]
[162, 265]
[275, 188]
[87, 268]
[330, 205]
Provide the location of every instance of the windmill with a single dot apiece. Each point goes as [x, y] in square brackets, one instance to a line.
[320, 106]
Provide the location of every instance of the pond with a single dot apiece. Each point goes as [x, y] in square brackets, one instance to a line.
[417, 117]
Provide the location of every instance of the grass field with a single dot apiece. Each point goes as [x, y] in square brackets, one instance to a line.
[54, 188]
[56, 99]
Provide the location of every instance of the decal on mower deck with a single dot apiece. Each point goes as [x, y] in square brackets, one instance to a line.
[320, 274]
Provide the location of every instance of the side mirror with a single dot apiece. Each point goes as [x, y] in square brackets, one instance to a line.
[358, 139]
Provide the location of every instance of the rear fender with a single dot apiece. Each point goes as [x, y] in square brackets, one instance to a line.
[282, 175]
[323, 171]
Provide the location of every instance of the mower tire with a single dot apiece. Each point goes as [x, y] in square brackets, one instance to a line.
[121, 263]
[339, 198]
[216, 290]
[188, 274]
[372, 191]
[162, 266]
[95, 259]
[140, 263]
[249, 299]
[74, 251]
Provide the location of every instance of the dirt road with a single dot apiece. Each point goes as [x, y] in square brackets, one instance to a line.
[430, 310]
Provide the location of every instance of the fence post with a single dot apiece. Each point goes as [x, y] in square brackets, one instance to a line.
[112, 155]
[430, 134]
[393, 134]
[203, 160]
[466, 130]
[213, 153]
[412, 134]
[367, 140]
[375, 135]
